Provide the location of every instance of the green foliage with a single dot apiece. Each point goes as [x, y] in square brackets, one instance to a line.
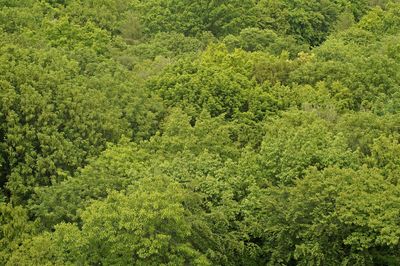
[65, 246]
[218, 82]
[121, 165]
[255, 39]
[193, 17]
[167, 45]
[153, 227]
[147, 224]
[298, 141]
[171, 132]
[368, 71]
[14, 228]
[308, 21]
[49, 124]
[337, 216]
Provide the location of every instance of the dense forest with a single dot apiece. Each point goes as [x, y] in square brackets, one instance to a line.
[219, 132]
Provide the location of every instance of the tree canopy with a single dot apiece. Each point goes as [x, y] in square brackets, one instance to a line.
[180, 132]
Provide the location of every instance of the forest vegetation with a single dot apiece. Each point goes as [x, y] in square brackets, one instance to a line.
[203, 132]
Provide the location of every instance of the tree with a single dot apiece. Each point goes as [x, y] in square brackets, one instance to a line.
[335, 216]
[147, 224]
[297, 141]
[15, 227]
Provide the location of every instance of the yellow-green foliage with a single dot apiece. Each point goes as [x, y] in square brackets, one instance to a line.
[199, 132]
